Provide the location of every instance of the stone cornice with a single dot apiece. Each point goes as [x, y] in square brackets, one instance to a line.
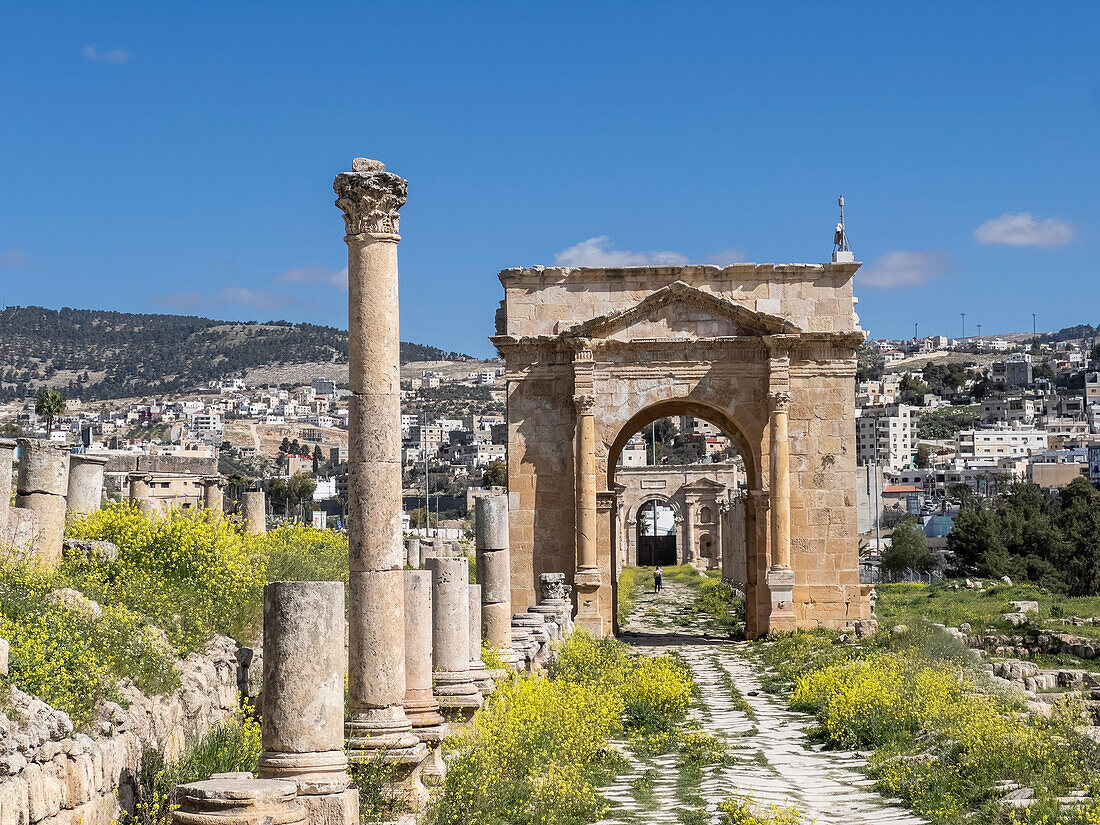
[370, 198]
[796, 344]
[767, 272]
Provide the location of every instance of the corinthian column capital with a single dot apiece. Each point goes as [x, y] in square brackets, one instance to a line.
[780, 401]
[370, 198]
[585, 404]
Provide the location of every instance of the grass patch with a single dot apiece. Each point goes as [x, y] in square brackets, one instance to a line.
[736, 697]
[714, 603]
[951, 605]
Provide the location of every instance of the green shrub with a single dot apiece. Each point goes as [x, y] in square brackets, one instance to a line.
[70, 658]
[742, 811]
[191, 575]
[298, 553]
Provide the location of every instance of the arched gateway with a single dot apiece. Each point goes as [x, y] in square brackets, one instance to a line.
[765, 352]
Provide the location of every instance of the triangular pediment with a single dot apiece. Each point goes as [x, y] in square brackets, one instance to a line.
[681, 311]
[703, 484]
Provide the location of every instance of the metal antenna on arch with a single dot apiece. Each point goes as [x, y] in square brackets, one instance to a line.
[842, 253]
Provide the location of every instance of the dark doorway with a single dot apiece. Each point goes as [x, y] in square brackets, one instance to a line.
[656, 550]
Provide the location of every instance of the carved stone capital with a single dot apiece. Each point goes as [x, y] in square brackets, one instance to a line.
[780, 401]
[585, 404]
[370, 198]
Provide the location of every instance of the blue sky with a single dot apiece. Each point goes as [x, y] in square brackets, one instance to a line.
[179, 157]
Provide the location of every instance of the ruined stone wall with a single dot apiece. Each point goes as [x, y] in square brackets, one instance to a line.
[53, 776]
[546, 300]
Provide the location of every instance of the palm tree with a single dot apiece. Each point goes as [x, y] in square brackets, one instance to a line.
[51, 404]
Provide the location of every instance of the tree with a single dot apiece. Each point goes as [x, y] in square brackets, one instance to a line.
[50, 404]
[924, 456]
[316, 458]
[495, 475]
[974, 543]
[908, 549]
[912, 390]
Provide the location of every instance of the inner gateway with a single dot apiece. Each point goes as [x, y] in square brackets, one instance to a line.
[680, 485]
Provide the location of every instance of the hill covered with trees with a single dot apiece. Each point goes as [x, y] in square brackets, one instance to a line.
[97, 354]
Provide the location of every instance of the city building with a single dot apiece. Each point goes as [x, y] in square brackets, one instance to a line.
[884, 435]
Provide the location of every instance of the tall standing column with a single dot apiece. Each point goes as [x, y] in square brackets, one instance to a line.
[303, 698]
[41, 486]
[689, 533]
[780, 575]
[7, 459]
[494, 571]
[587, 575]
[370, 198]
[85, 490]
[482, 678]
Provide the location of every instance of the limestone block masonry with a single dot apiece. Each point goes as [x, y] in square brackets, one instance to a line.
[370, 199]
[303, 697]
[53, 776]
[42, 485]
[7, 461]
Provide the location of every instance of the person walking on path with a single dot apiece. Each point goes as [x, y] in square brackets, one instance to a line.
[657, 574]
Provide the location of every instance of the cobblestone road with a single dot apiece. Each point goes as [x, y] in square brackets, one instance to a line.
[773, 762]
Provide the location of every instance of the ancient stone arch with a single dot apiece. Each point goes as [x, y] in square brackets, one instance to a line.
[764, 352]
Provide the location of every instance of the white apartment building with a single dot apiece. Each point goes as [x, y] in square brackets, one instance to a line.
[884, 435]
[203, 423]
[1000, 442]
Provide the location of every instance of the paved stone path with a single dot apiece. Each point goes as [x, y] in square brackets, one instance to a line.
[772, 760]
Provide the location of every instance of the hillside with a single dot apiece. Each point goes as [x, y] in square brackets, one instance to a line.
[96, 354]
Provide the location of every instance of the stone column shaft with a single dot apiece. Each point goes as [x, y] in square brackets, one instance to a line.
[303, 697]
[780, 481]
[41, 486]
[212, 496]
[586, 485]
[255, 512]
[420, 705]
[781, 577]
[370, 198]
[587, 574]
[454, 685]
[7, 460]
[85, 489]
[494, 573]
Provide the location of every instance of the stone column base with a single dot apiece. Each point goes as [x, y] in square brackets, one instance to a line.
[239, 801]
[421, 708]
[377, 733]
[457, 692]
[587, 582]
[319, 772]
[781, 586]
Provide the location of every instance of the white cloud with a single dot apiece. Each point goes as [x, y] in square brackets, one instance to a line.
[725, 257]
[10, 258]
[315, 275]
[598, 252]
[255, 298]
[1024, 229]
[905, 267]
[115, 55]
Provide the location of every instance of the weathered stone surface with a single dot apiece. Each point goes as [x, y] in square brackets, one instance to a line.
[255, 512]
[7, 459]
[41, 486]
[91, 550]
[53, 776]
[238, 802]
[412, 553]
[491, 522]
[420, 704]
[454, 686]
[85, 488]
[303, 698]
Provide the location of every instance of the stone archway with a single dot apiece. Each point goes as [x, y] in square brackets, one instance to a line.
[766, 353]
